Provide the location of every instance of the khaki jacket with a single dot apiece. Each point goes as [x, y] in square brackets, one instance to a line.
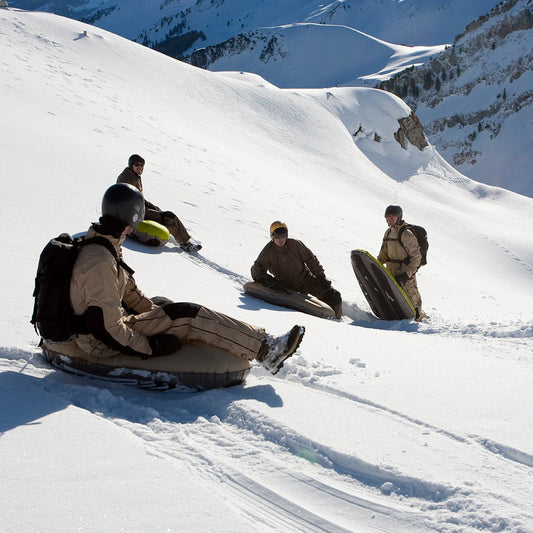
[98, 281]
[292, 264]
[392, 252]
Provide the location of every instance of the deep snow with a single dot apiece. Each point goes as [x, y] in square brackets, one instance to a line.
[372, 425]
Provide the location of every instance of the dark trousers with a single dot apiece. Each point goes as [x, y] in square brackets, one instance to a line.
[323, 290]
[170, 221]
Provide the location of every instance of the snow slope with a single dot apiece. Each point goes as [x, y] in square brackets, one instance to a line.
[372, 426]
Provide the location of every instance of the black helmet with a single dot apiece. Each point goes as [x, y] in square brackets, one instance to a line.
[135, 158]
[395, 211]
[123, 202]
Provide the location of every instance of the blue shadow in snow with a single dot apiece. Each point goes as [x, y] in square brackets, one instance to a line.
[24, 402]
[387, 325]
[255, 304]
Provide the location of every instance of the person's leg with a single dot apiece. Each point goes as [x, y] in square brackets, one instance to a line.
[193, 322]
[323, 290]
[176, 227]
[171, 222]
[411, 289]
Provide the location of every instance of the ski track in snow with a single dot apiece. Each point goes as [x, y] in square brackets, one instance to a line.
[255, 451]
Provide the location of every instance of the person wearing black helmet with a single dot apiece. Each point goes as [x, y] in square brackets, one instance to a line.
[293, 266]
[402, 258]
[119, 318]
[132, 175]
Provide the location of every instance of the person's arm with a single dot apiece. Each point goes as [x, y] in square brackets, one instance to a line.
[383, 255]
[135, 299]
[259, 270]
[310, 261]
[99, 287]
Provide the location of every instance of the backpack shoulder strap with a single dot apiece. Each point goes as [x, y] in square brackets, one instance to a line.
[102, 241]
[400, 233]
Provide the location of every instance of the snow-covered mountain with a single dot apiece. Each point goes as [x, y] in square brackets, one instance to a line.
[475, 100]
[305, 44]
[371, 426]
[191, 24]
[484, 132]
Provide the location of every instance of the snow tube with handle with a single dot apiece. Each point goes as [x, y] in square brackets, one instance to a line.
[196, 365]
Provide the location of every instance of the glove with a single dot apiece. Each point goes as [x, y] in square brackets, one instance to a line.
[276, 285]
[266, 281]
[273, 283]
[163, 344]
[402, 278]
[325, 282]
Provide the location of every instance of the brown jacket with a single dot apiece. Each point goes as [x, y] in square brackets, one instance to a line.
[167, 218]
[98, 282]
[292, 264]
[128, 176]
[393, 254]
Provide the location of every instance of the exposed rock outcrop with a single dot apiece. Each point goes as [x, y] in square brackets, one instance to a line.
[411, 130]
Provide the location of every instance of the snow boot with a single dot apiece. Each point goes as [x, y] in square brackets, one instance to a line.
[190, 247]
[276, 350]
[420, 315]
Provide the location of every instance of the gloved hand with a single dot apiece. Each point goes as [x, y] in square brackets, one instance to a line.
[325, 282]
[266, 281]
[273, 283]
[163, 344]
[402, 278]
[278, 286]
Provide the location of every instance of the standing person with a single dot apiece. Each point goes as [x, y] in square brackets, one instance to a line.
[132, 175]
[294, 267]
[402, 258]
[119, 318]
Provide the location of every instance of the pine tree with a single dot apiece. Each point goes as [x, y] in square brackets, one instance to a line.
[428, 81]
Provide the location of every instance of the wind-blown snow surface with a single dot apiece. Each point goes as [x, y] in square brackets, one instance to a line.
[371, 425]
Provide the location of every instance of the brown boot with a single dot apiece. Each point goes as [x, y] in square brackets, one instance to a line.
[420, 315]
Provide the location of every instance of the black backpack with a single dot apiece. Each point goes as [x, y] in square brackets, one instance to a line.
[53, 316]
[421, 236]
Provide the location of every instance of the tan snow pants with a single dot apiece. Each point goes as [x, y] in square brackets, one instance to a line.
[235, 336]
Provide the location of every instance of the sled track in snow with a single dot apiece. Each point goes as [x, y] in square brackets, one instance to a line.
[270, 472]
[506, 452]
[248, 467]
[201, 260]
[256, 454]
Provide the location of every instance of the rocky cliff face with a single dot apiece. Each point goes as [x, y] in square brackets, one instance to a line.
[411, 130]
[479, 87]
